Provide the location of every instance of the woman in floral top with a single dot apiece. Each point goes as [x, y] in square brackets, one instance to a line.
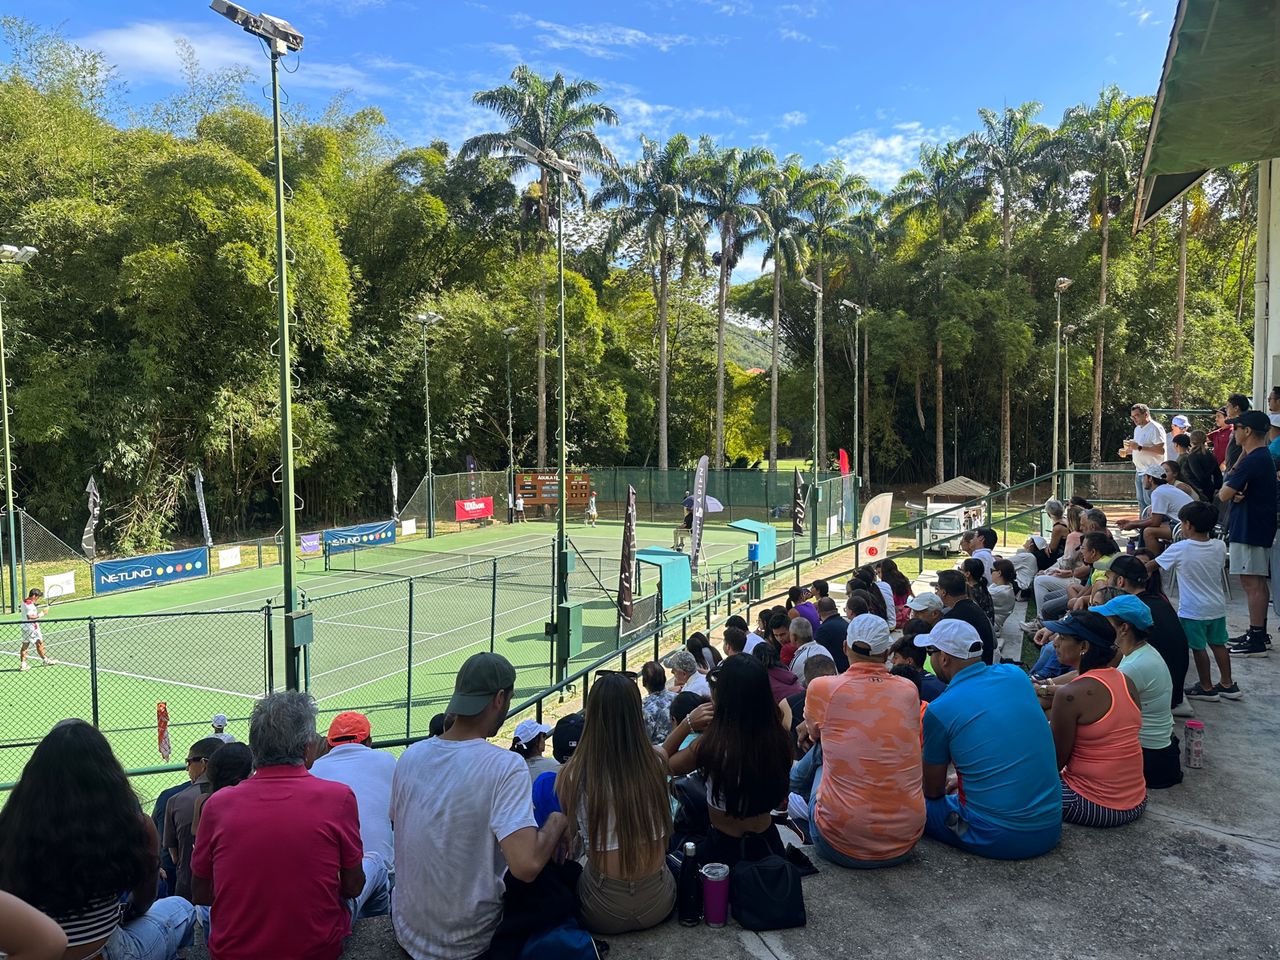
[657, 703]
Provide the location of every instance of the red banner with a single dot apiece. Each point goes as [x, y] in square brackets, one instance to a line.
[473, 509]
[844, 462]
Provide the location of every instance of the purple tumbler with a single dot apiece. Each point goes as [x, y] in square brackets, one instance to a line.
[715, 894]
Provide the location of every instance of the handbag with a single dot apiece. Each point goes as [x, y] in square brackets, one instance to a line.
[766, 894]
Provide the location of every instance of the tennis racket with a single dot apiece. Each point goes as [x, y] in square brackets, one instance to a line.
[54, 593]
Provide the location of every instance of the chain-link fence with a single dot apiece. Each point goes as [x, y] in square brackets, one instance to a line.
[43, 560]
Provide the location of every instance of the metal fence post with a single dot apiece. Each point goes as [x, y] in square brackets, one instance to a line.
[268, 651]
[93, 670]
[408, 683]
[22, 548]
[259, 553]
[493, 606]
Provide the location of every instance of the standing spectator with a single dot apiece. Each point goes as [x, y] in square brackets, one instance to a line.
[953, 591]
[530, 742]
[1165, 500]
[685, 674]
[279, 855]
[1200, 467]
[1178, 426]
[180, 812]
[656, 706]
[1219, 437]
[73, 841]
[1145, 448]
[831, 632]
[990, 727]
[219, 724]
[1167, 636]
[352, 760]
[614, 795]
[806, 646]
[520, 517]
[463, 814]
[1250, 488]
[1237, 405]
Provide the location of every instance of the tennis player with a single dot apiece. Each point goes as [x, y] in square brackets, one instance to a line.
[31, 614]
[592, 512]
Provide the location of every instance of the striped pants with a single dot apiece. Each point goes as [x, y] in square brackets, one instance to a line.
[1079, 810]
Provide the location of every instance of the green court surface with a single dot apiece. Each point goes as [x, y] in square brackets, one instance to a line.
[384, 644]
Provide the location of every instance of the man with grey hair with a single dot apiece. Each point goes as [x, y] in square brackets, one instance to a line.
[685, 674]
[806, 646]
[1146, 448]
[279, 856]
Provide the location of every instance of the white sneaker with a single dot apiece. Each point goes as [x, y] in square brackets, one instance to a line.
[1184, 709]
[48, 661]
[24, 666]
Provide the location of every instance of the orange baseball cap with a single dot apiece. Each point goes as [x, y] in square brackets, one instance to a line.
[349, 727]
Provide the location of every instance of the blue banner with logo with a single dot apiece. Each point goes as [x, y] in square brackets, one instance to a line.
[344, 539]
[147, 571]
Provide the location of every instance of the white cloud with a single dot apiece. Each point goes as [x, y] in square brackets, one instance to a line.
[787, 33]
[806, 10]
[604, 41]
[884, 157]
[658, 121]
[794, 118]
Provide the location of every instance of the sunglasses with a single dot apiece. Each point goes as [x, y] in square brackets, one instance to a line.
[931, 650]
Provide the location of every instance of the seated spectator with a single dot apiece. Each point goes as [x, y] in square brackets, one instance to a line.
[792, 707]
[1095, 720]
[1130, 618]
[1166, 500]
[685, 674]
[703, 652]
[1167, 637]
[799, 604]
[744, 756]
[779, 631]
[927, 607]
[899, 588]
[989, 725]
[986, 542]
[1048, 552]
[953, 591]
[219, 724]
[565, 737]
[683, 705]
[752, 639]
[180, 812]
[614, 795]
[530, 743]
[831, 632]
[864, 578]
[437, 725]
[868, 810]
[27, 934]
[976, 582]
[352, 760]
[229, 766]
[168, 869]
[462, 812]
[1050, 588]
[280, 840]
[1004, 597]
[1173, 471]
[904, 653]
[74, 844]
[806, 646]
[657, 702]
[784, 682]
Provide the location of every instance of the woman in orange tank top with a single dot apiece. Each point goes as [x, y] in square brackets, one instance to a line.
[1095, 720]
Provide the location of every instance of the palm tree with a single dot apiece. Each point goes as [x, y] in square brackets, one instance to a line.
[652, 202]
[1009, 151]
[940, 191]
[728, 180]
[1101, 140]
[558, 117]
[831, 200]
[781, 200]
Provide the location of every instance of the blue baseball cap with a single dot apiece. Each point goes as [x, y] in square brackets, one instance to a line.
[1073, 626]
[1129, 609]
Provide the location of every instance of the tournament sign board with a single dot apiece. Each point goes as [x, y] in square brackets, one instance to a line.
[875, 520]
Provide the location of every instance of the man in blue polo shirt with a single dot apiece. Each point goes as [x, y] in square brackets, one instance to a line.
[1008, 805]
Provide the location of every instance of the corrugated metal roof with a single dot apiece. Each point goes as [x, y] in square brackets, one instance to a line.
[958, 487]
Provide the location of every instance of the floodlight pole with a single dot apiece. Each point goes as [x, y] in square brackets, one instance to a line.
[1066, 396]
[1059, 287]
[857, 320]
[10, 527]
[511, 436]
[425, 319]
[817, 348]
[562, 553]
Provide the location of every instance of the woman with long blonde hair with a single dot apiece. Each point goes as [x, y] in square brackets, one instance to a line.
[613, 790]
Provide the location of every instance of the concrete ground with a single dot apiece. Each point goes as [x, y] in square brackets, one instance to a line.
[1197, 876]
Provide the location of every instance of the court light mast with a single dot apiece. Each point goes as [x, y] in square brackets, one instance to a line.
[281, 38]
[1059, 288]
[857, 320]
[425, 320]
[511, 432]
[817, 347]
[15, 255]
[564, 170]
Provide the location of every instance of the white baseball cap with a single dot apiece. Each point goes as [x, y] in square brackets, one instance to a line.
[528, 731]
[219, 720]
[1154, 470]
[1039, 541]
[954, 637]
[925, 601]
[870, 631]
[1181, 421]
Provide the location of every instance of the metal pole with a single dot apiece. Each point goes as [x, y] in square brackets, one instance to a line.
[817, 351]
[562, 572]
[1057, 370]
[408, 677]
[1066, 404]
[857, 321]
[426, 400]
[8, 475]
[511, 443]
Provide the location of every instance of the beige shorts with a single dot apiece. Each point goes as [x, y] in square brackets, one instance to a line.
[617, 906]
[1249, 561]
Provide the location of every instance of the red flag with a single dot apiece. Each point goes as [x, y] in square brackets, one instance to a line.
[844, 462]
[162, 730]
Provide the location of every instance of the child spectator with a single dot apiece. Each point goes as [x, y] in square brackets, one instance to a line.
[910, 658]
[1004, 597]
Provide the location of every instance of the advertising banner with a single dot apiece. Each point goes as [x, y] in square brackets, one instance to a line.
[873, 542]
[109, 575]
[230, 557]
[797, 505]
[699, 513]
[408, 527]
[626, 571]
[473, 508]
[60, 585]
[345, 539]
[309, 543]
[88, 544]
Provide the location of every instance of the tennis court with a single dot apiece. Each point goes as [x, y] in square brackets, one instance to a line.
[392, 626]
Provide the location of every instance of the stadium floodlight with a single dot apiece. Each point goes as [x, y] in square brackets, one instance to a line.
[17, 256]
[817, 355]
[548, 159]
[279, 33]
[1061, 285]
[426, 320]
[857, 318]
[511, 432]
[1059, 288]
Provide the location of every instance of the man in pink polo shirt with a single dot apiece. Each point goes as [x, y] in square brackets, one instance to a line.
[278, 855]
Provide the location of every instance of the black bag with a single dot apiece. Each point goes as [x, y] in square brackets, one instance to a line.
[765, 894]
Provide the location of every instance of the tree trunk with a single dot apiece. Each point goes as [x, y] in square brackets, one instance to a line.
[544, 224]
[1006, 240]
[722, 303]
[865, 416]
[939, 453]
[773, 365]
[1244, 258]
[1099, 341]
[1179, 323]
[818, 342]
[1006, 426]
[663, 286]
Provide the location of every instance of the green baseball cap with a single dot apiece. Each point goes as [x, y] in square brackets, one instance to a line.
[482, 676]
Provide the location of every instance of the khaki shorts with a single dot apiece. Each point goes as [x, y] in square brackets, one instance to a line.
[1249, 561]
[617, 906]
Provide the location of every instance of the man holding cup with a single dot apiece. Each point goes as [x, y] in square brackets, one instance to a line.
[1145, 447]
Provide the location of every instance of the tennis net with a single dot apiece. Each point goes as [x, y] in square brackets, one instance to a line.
[530, 567]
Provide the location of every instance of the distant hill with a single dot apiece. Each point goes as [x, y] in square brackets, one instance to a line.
[746, 346]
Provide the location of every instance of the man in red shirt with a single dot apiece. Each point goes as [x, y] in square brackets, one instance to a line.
[279, 855]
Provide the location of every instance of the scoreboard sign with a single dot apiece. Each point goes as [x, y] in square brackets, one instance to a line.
[543, 489]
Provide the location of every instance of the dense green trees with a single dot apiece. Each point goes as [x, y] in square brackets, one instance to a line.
[142, 334]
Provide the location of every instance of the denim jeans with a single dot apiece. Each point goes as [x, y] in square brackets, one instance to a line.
[1144, 496]
[832, 855]
[157, 935]
[1048, 664]
[375, 899]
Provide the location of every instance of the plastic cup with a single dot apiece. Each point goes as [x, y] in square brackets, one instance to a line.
[715, 894]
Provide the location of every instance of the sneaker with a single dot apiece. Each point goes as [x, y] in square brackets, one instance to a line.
[1229, 693]
[1200, 693]
[24, 666]
[48, 661]
[1032, 627]
[1184, 709]
[1251, 646]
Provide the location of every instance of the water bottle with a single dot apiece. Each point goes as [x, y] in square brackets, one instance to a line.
[1193, 731]
[689, 888]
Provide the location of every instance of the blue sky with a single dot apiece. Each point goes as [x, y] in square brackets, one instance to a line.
[867, 80]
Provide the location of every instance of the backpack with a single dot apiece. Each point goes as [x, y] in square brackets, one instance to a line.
[565, 942]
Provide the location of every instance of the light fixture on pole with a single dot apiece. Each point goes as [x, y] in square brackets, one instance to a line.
[511, 434]
[281, 38]
[15, 255]
[1059, 288]
[857, 320]
[817, 346]
[1067, 331]
[425, 320]
[566, 170]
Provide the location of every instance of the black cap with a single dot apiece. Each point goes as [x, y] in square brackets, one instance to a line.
[565, 737]
[1253, 419]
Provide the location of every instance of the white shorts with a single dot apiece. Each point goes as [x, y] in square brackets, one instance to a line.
[1249, 561]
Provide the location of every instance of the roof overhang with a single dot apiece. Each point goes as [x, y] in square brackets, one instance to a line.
[1219, 98]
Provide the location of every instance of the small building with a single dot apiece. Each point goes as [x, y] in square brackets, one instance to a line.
[943, 524]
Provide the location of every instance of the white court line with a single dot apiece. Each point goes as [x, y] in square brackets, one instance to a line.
[143, 676]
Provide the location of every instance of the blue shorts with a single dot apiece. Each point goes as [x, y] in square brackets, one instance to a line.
[947, 821]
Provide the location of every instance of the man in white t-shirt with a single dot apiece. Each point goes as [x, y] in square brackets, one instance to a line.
[984, 542]
[1166, 501]
[1146, 448]
[463, 815]
[685, 674]
[31, 614]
